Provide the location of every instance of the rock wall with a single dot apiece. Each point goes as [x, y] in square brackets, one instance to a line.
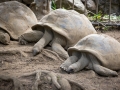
[79, 5]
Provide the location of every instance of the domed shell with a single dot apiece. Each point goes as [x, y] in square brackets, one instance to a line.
[16, 18]
[104, 47]
[9, 0]
[69, 23]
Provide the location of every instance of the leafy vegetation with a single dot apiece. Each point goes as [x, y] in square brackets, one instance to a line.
[53, 5]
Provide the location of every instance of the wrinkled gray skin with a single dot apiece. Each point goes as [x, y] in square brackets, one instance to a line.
[79, 61]
[56, 40]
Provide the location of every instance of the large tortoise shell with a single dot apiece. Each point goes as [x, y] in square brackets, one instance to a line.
[69, 23]
[104, 47]
[16, 18]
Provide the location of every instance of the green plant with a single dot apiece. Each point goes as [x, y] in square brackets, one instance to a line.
[107, 28]
[93, 16]
[98, 16]
[53, 5]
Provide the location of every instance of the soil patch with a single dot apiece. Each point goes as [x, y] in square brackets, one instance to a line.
[16, 60]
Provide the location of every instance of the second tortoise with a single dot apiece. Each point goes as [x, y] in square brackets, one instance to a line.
[62, 29]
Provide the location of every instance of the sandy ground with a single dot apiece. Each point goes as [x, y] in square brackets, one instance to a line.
[16, 60]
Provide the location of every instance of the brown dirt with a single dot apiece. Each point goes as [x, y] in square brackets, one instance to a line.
[16, 60]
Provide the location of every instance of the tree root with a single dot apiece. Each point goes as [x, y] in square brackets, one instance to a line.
[41, 80]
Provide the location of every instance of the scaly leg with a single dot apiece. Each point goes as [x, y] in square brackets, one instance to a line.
[72, 59]
[47, 37]
[79, 65]
[57, 45]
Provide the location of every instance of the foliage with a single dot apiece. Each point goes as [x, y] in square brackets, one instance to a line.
[98, 16]
[107, 28]
[95, 17]
[53, 5]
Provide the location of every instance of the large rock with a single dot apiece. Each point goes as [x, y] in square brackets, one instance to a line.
[68, 4]
[40, 7]
[90, 4]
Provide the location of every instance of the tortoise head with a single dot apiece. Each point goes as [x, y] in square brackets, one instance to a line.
[5, 38]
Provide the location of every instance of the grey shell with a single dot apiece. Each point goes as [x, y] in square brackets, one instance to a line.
[104, 47]
[16, 18]
[69, 23]
[9, 0]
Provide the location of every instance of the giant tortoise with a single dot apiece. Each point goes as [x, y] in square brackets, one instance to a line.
[98, 52]
[62, 29]
[15, 19]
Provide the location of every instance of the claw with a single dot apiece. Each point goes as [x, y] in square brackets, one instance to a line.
[63, 68]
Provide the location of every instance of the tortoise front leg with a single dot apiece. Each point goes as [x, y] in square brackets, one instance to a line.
[79, 65]
[60, 50]
[47, 37]
[57, 45]
[72, 59]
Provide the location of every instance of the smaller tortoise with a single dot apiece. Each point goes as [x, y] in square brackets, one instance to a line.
[62, 29]
[98, 52]
[15, 19]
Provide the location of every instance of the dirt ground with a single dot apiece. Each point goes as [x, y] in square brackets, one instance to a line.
[16, 60]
